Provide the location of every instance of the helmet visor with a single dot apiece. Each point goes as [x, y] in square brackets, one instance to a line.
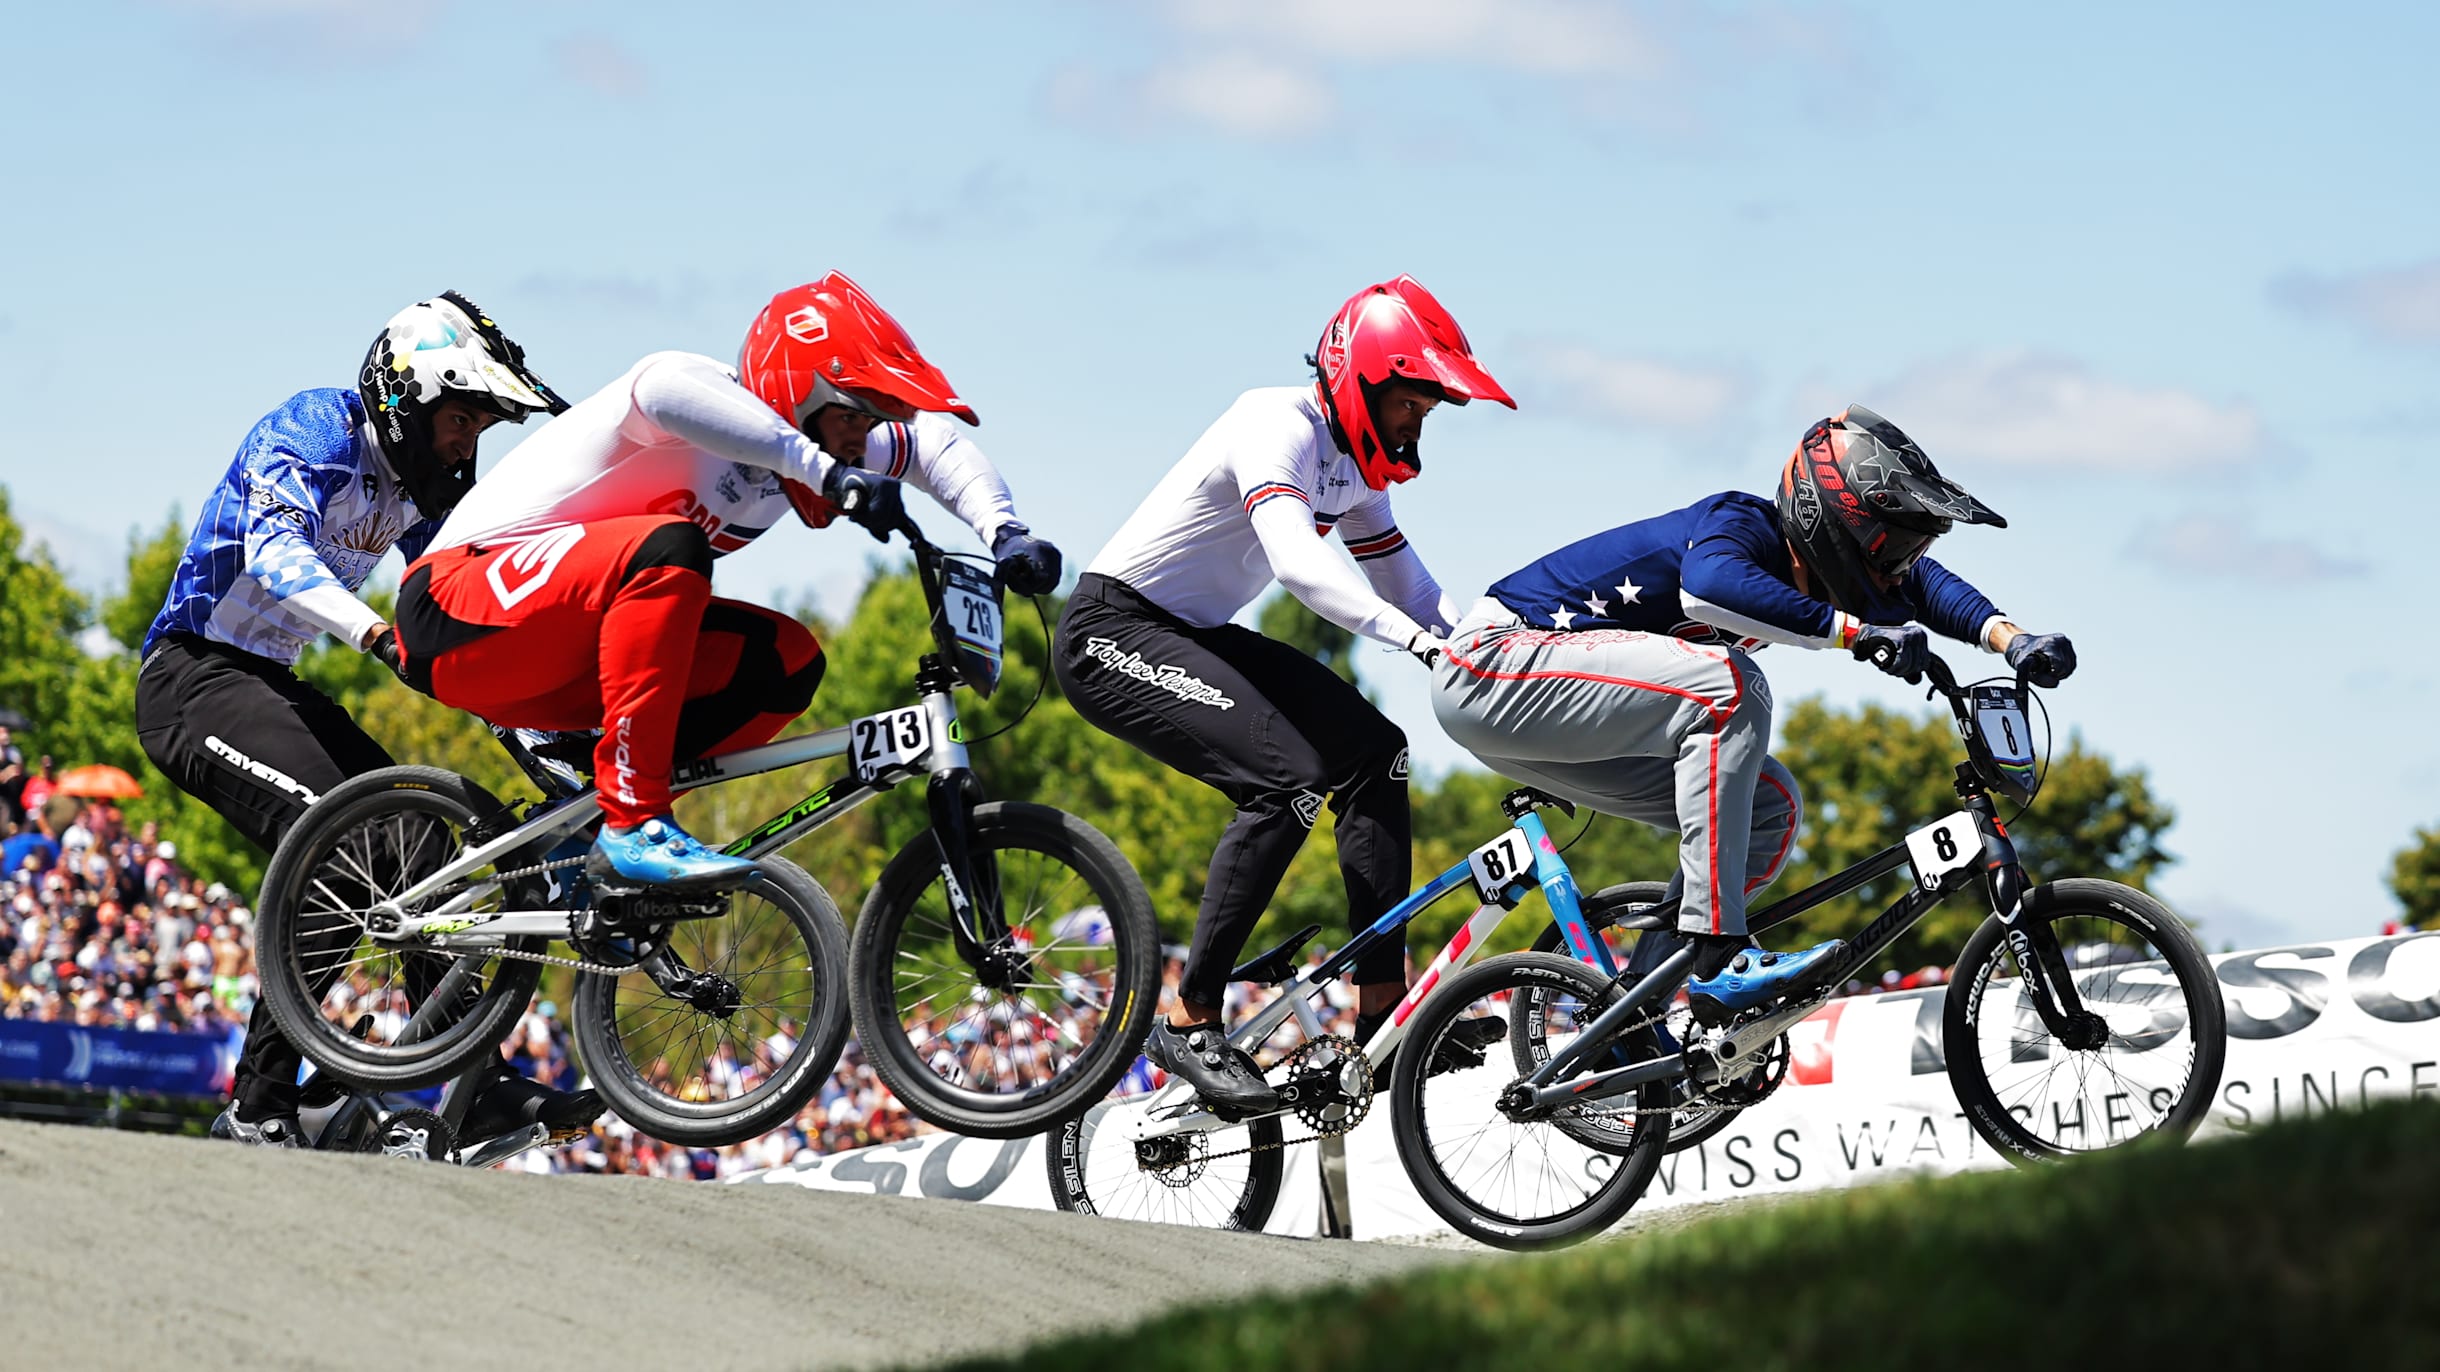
[861, 401]
[1893, 551]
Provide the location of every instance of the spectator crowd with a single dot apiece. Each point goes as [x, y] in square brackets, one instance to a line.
[99, 926]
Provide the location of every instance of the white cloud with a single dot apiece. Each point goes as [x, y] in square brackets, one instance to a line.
[1639, 390]
[2399, 305]
[2212, 546]
[1235, 93]
[1273, 68]
[1551, 37]
[1239, 94]
[2041, 410]
[590, 59]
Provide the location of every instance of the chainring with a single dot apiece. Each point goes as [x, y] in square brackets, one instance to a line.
[414, 1135]
[1758, 1082]
[1329, 1084]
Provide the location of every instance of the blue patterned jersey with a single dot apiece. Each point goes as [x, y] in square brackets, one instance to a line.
[1719, 570]
[298, 522]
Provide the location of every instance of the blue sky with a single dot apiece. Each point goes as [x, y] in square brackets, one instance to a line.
[2163, 287]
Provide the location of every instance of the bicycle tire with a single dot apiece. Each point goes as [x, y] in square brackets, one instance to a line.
[884, 950]
[412, 820]
[2131, 984]
[682, 1108]
[1500, 979]
[1238, 1198]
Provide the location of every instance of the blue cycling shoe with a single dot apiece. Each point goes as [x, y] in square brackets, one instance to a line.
[1754, 977]
[659, 853]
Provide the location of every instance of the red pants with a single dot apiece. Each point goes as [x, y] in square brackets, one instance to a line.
[608, 625]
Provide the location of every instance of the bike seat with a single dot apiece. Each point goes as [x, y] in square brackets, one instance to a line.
[1660, 916]
[1279, 964]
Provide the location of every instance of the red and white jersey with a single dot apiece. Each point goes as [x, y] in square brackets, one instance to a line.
[1251, 502]
[678, 435]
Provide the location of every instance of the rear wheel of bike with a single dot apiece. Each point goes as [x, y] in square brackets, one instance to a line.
[1053, 1021]
[346, 998]
[1208, 1180]
[1507, 1181]
[2033, 1095]
[1695, 1120]
[732, 1025]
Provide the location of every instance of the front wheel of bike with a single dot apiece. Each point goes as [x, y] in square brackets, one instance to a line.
[348, 998]
[1516, 1179]
[1224, 1179]
[2035, 1097]
[1051, 1020]
[730, 1027]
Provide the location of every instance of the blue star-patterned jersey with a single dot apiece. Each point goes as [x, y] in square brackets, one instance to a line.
[298, 522]
[1718, 570]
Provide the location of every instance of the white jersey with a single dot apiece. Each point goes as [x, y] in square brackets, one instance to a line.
[678, 435]
[1251, 502]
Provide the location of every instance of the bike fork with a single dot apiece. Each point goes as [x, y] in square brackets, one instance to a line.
[2040, 962]
[975, 918]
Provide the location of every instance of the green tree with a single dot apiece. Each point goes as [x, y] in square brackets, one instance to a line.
[40, 618]
[152, 563]
[2414, 878]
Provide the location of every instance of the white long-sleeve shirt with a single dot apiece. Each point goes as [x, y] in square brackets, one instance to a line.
[678, 435]
[1251, 502]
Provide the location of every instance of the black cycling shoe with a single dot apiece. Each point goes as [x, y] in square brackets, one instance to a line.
[271, 1131]
[509, 1102]
[1219, 1071]
[1463, 1045]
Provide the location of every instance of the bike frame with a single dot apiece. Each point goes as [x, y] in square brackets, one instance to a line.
[952, 793]
[1737, 1047]
[1173, 1108]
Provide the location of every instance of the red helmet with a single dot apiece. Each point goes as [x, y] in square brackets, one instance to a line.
[1393, 330]
[828, 343]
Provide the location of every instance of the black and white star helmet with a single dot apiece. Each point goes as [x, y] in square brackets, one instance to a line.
[1859, 497]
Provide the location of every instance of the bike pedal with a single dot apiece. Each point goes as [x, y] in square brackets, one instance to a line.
[1708, 1011]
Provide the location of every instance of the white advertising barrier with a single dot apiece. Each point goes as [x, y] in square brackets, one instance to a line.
[2311, 1028]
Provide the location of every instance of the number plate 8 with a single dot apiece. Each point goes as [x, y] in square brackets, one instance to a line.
[1939, 849]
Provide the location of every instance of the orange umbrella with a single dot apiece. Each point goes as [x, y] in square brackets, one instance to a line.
[99, 782]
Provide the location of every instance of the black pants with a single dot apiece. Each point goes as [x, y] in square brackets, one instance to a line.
[245, 736]
[1267, 726]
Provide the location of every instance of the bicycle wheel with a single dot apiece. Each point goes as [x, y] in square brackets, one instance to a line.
[731, 1028]
[2135, 965]
[1506, 1181]
[1008, 1051]
[344, 997]
[1227, 1179]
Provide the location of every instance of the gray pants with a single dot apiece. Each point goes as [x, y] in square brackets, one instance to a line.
[1644, 726]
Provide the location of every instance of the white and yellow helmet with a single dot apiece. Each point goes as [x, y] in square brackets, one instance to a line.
[429, 351]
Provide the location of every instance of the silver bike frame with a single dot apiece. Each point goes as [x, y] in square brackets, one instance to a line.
[449, 926]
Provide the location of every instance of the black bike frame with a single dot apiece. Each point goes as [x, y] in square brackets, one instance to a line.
[2040, 961]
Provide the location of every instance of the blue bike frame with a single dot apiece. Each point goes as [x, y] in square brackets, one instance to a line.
[1549, 872]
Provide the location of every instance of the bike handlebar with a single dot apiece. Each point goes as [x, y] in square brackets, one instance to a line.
[1937, 668]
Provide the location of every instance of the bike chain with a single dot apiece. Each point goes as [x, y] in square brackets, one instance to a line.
[1333, 1133]
[552, 959]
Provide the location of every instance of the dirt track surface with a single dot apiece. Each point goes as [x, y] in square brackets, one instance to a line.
[145, 1251]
